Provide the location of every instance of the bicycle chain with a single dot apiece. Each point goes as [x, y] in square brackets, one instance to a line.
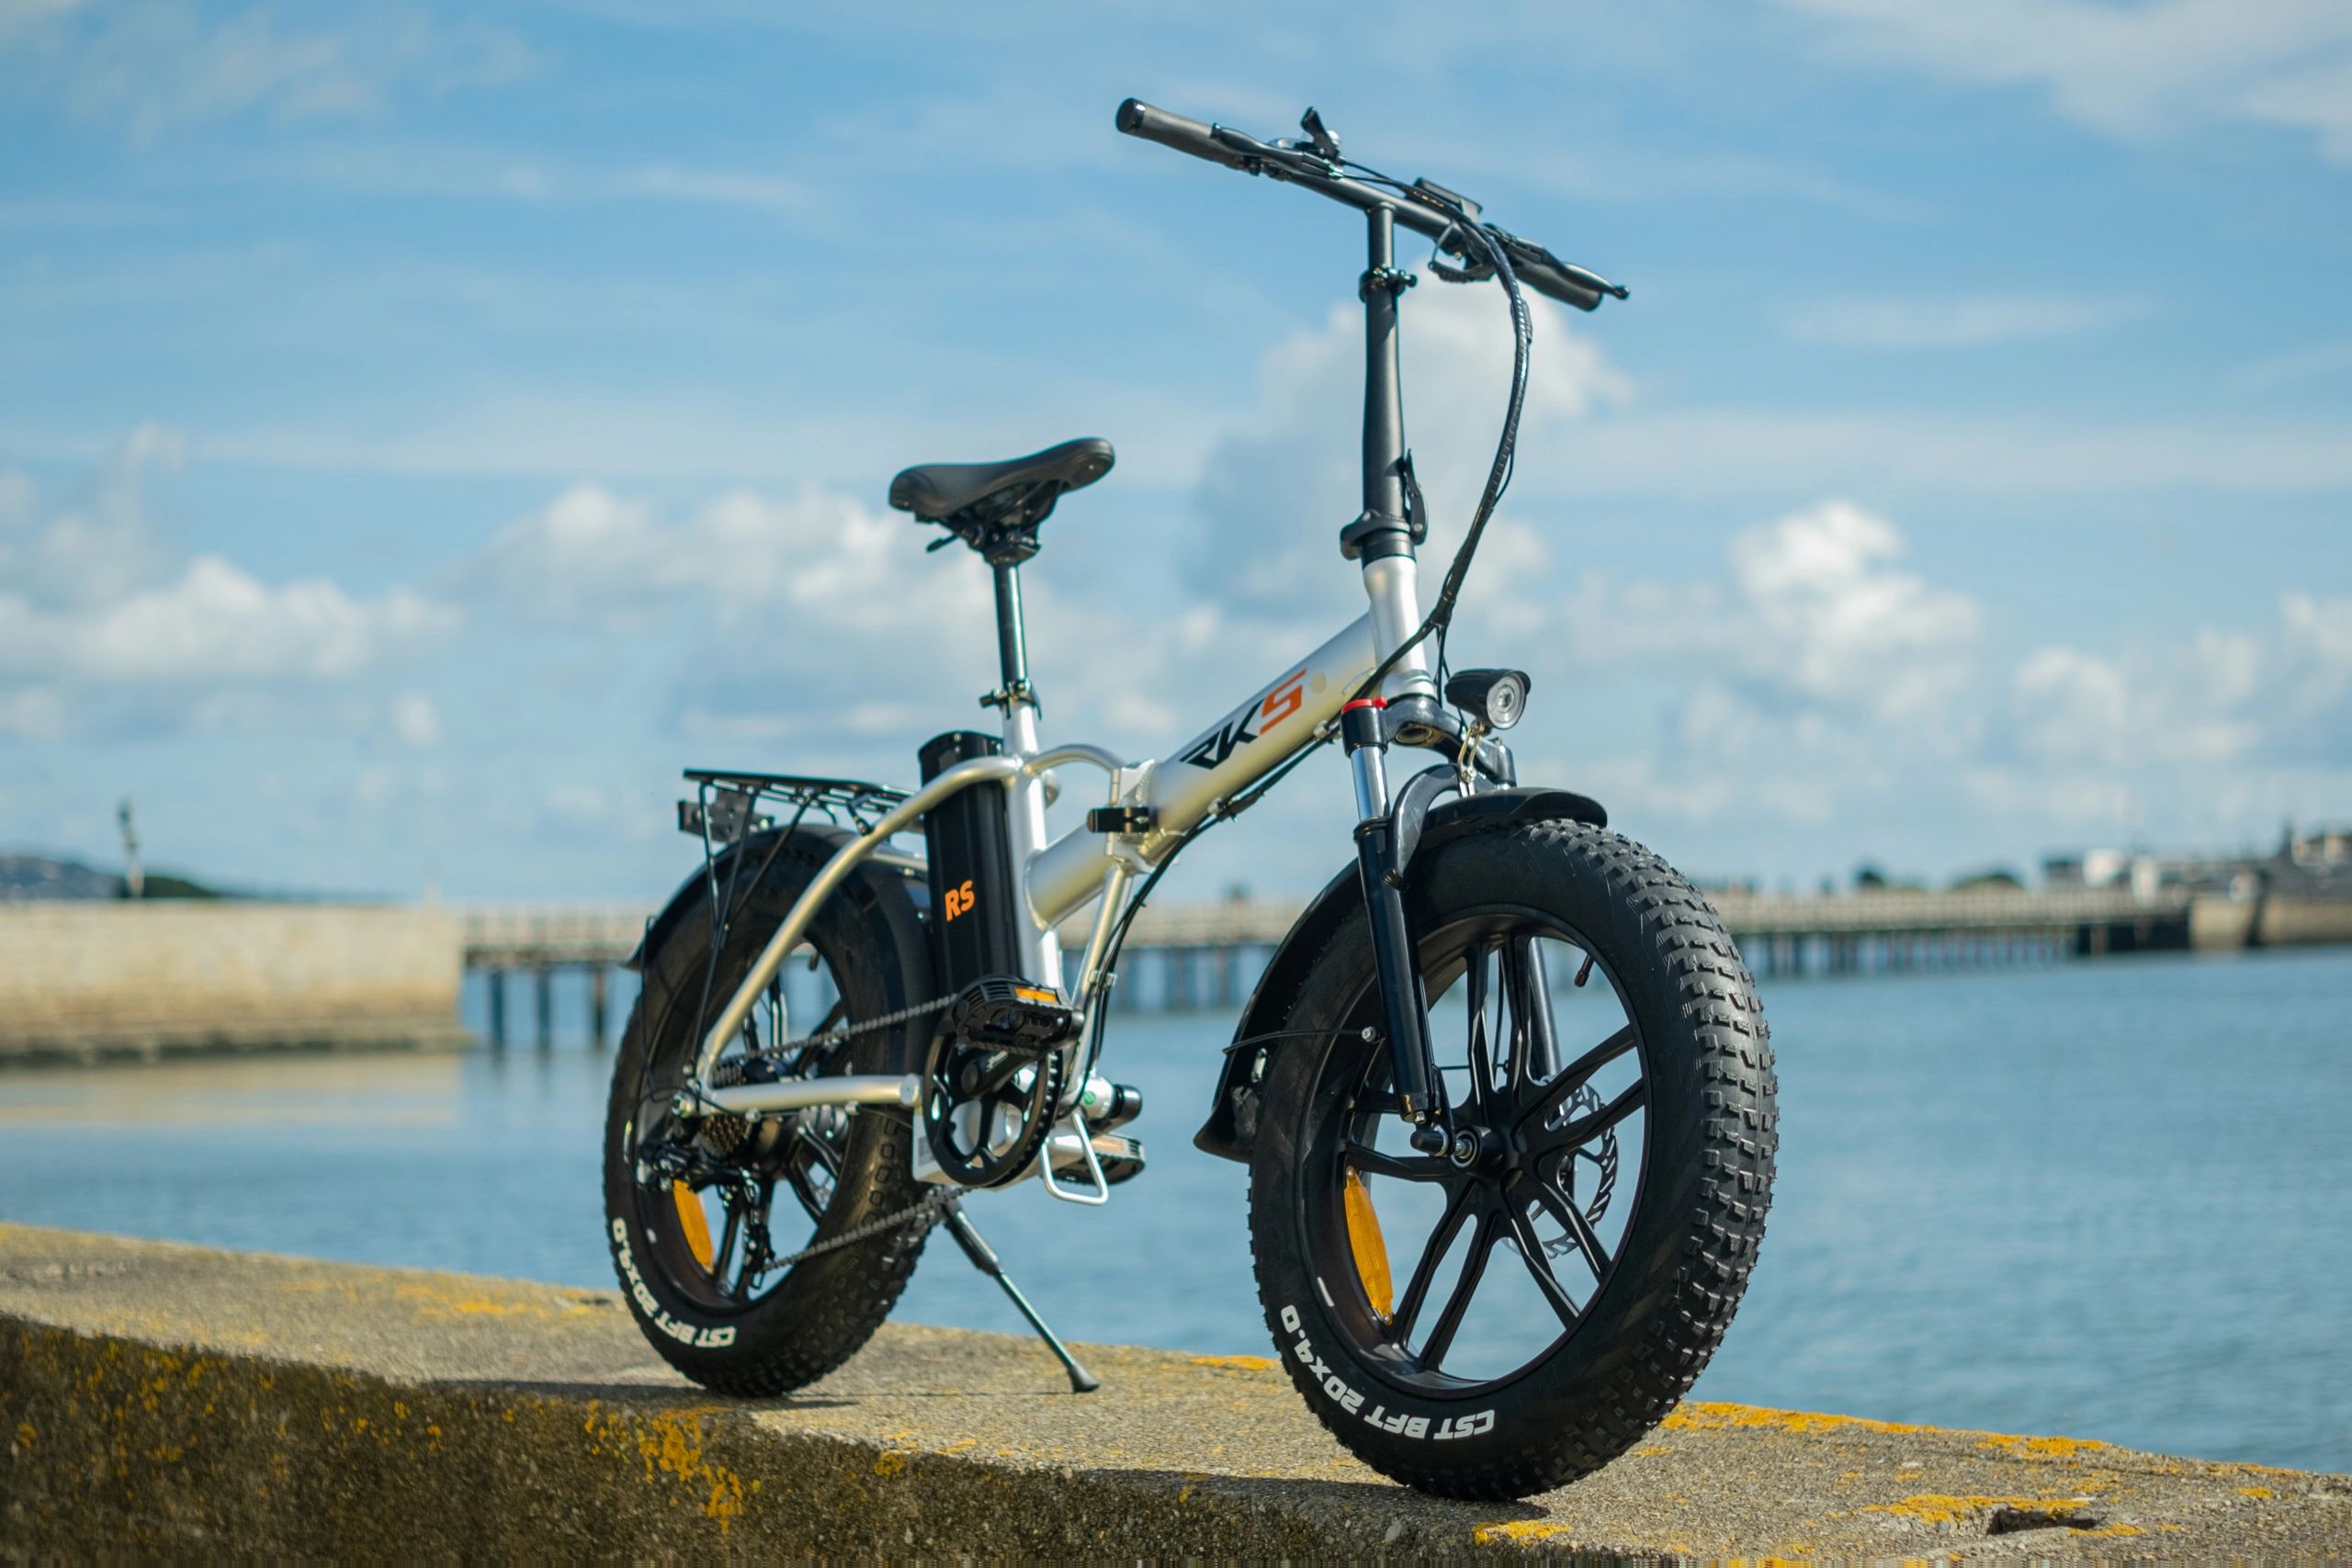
[938, 1200]
[849, 1032]
[932, 1203]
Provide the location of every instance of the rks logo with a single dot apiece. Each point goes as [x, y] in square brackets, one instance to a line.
[1287, 697]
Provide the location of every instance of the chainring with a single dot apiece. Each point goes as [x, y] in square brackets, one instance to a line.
[987, 1111]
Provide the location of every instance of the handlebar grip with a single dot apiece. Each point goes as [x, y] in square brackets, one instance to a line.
[1136, 118]
[1549, 280]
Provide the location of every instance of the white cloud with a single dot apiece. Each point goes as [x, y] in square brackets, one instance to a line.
[32, 712]
[415, 720]
[1812, 682]
[98, 608]
[481, 173]
[1731, 453]
[2138, 72]
[2279, 693]
[217, 622]
[160, 66]
[1811, 613]
[1277, 491]
[2292, 368]
[1829, 616]
[832, 564]
[1960, 321]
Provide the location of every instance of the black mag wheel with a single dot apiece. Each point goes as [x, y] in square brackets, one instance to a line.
[1500, 1318]
[701, 1213]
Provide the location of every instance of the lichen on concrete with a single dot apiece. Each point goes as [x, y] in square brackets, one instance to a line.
[169, 1401]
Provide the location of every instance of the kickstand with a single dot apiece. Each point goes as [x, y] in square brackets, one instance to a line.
[967, 1236]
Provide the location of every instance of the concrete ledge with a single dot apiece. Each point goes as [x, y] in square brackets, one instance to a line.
[159, 1399]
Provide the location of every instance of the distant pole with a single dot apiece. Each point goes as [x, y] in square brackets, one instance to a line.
[597, 1030]
[134, 881]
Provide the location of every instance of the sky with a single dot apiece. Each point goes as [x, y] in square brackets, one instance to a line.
[425, 430]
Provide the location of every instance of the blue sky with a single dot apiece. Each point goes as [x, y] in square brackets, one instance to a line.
[424, 430]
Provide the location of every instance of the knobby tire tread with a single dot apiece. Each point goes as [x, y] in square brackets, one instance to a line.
[1690, 1310]
[839, 1300]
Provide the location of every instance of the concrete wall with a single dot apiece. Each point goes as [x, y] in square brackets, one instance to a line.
[2222, 923]
[174, 1404]
[85, 980]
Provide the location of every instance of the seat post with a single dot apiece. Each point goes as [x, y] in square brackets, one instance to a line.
[1012, 640]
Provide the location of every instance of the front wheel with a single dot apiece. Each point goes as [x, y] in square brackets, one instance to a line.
[1499, 1319]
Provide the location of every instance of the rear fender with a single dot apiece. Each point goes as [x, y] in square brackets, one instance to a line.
[1422, 828]
[889, 901]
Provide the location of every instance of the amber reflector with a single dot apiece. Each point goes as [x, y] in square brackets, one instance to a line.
[697, 1228]
[1372, 1251]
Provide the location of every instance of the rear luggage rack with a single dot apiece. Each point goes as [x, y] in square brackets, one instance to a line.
[727, 803]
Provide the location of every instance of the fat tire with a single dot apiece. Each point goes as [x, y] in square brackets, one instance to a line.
[824, 1309]
[1689, 1246]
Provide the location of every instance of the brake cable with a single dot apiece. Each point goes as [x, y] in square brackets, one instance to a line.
[1497, 264]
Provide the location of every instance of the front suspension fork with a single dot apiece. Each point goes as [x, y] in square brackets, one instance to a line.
[1403, 1002]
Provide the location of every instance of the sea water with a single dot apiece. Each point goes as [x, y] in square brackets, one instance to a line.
[2108, 1199]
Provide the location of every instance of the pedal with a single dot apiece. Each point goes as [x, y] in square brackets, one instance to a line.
[1120, 1157]
[1000, 1013]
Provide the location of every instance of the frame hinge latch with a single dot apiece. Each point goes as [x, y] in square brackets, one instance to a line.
[1121, 819]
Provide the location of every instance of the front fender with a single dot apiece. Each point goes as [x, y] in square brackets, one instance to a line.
[1231, 1130]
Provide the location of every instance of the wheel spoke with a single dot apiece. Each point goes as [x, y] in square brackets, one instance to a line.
[1584, 1128]
[1482, 1058]
[727, 1239]
[1448, 1317]
[1564, 1208]
[1573, 1078]
[1535, 1051]
[1417, 1288]
[1539, 1262]
[1405, 1168]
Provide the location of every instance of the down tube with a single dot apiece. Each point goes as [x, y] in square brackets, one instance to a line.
[1230, 755]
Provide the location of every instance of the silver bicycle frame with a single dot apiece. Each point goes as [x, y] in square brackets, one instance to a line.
[1059, 878]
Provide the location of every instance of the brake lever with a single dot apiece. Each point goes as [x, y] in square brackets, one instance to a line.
[1322, 141]
[1451, 243]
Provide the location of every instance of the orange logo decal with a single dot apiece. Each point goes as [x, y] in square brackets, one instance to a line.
[959, 899]
[1282, 702]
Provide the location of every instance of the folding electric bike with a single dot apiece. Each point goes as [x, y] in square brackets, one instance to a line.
[1504, 1089]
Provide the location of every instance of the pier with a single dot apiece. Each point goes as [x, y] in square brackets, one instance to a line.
[164, 1401]
[1182, 956]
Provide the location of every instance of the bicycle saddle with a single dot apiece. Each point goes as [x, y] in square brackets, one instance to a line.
[936, 492]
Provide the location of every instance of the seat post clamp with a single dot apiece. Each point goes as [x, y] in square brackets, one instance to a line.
[1008, 698]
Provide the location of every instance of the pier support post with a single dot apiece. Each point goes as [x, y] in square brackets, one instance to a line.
[598, 998]
[545, 979]
[497, 978]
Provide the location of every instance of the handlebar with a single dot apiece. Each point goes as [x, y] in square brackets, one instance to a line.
[1426, 211]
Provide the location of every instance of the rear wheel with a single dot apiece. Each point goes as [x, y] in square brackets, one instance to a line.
[698, 1247]
[1501, 1319]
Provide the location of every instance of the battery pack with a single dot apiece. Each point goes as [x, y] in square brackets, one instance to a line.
[974, 900]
